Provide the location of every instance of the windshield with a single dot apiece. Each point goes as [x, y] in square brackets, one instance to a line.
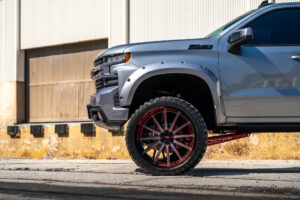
[222, 28]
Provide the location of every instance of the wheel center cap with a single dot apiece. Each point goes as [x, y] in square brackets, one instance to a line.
[166, 137]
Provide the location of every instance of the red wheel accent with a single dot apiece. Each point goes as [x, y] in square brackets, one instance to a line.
[166, 137]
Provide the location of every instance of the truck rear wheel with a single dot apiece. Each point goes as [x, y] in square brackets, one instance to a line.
[166, 136]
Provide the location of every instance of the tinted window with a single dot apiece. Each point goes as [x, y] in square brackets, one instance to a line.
[277, 27]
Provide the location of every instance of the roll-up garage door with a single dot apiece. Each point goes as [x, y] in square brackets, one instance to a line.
[58, 82]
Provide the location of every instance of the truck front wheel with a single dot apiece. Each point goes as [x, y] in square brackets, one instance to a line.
[166, 136]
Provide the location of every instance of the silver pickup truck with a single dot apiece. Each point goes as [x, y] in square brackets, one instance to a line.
[242, 78]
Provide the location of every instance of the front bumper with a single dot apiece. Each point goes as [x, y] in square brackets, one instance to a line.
[103, 111]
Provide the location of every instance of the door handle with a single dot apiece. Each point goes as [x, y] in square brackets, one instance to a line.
[295, 57]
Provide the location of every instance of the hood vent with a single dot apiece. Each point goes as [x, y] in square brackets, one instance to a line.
[199, 46]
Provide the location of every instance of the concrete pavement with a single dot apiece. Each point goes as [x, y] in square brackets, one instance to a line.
[121, 179]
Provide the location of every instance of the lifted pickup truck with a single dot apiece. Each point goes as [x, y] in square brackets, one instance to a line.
[242, 78]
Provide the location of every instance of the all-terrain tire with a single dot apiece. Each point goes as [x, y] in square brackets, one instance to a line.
[188, 112]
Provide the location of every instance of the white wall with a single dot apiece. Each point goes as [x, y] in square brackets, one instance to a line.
[177, 19]
[52, 22]
[1, 38]
[11, 59]
[118, 22]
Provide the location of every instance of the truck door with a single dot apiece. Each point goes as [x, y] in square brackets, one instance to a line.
[262, 84]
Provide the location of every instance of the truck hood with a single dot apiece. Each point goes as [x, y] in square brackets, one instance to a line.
[166, 45]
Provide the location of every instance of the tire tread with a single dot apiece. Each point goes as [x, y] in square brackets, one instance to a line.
[200, 123]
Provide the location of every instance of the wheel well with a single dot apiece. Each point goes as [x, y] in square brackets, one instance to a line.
[188, 87]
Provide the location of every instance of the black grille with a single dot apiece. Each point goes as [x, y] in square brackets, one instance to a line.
[98, 62]
[105, 82]
[99, 84]
[116, 99]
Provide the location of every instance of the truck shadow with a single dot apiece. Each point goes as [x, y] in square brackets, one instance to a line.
[204, 172]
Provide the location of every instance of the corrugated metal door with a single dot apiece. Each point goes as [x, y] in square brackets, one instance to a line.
[58, 81]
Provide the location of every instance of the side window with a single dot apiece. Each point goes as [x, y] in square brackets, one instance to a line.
[280, 27]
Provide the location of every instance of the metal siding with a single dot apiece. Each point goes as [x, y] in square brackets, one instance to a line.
[118, 26]
[46, 23]
[1, 39]
[177, 19]
[10, 39]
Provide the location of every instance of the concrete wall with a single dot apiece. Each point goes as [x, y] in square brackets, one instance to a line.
[53, 22]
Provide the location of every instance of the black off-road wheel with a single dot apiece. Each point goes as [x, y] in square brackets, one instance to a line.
[166, 136]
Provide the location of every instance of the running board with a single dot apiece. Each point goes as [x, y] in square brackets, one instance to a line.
[226, 138]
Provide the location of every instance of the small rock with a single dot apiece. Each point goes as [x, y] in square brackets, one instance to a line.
[254, 139]
[48, 155]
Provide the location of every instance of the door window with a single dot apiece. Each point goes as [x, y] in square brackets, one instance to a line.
[280, 27]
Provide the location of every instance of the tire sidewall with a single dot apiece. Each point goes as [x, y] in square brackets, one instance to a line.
[190, 112]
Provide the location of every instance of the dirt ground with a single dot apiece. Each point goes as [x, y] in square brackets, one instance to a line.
[105, 145]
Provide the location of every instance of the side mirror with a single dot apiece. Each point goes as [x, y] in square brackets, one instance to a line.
[237, 38]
